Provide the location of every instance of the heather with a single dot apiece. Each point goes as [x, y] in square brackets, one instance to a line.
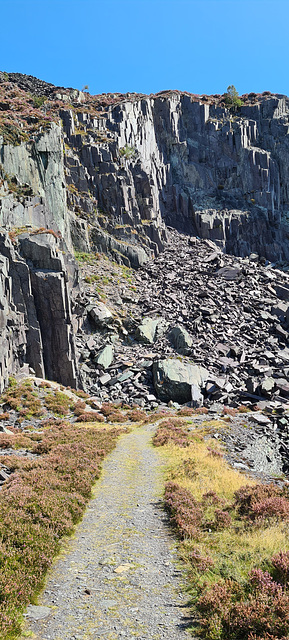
[45, 495]
[233, 538]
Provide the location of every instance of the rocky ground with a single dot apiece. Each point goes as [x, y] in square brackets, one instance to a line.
[195, 304]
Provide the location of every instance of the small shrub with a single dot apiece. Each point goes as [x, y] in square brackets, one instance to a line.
[184, 510]
[127, 152]
[210, 497]
[4, 416]
[79, 407]
[262, 502]
[222, 519]
[44, 385]
[280, 563]
[229, 411]
[172, 430]
[215, 452]
[90, 416]
[136, 415]
[243, 409]
[116, 416]
[186, 411]
[202, 563]
[58, 403]
[202, 410]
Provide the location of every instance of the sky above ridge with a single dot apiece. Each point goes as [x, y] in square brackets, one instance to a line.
[146, 46]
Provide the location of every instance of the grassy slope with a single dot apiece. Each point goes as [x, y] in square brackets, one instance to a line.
[49, 487]
[231, 538]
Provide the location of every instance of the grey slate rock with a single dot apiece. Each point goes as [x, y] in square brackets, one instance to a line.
[105, 356]
[181, 340]
[173, 379]
[37, 612]
[146, 331]
[100, 314]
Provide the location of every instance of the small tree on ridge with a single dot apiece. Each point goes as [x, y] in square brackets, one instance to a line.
[232, 99]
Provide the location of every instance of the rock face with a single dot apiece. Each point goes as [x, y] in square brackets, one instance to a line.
[36, 320]
[38, 165]
[134, 164]
[173, 158]
[117, 176]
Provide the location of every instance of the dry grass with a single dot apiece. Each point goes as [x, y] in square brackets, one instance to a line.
[198, 471]
[229, 537]
[40, 503]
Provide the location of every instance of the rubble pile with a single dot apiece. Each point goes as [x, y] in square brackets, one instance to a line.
[200, 307]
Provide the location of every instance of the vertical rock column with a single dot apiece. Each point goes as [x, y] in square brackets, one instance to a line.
[50, 288]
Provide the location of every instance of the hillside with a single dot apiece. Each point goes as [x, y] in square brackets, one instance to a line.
[144, 299]
[114, 175]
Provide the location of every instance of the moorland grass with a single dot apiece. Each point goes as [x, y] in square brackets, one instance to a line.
[40, 503]
[233, 536]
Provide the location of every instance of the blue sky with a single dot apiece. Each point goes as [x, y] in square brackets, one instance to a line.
[146, 46]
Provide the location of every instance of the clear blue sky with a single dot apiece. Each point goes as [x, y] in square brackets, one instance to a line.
[146, 46]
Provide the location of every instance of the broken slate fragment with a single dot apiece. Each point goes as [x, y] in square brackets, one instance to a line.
[146, 331]
[101, 315]
[105, 356]
[180, 340]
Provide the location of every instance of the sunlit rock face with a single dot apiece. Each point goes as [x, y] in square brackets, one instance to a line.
[195, 166]
[111, 174]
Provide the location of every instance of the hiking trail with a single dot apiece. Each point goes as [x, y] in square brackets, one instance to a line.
[118, 576]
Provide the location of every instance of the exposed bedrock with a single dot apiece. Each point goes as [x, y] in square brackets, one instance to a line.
[32, 189]
[38, 283]
[194, 166]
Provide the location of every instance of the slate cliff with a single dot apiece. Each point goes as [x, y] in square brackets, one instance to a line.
[110, 173]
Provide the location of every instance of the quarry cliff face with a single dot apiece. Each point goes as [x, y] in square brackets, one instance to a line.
[191, 165]
[111, 173]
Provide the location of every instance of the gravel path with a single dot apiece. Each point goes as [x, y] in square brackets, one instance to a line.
[118, 577]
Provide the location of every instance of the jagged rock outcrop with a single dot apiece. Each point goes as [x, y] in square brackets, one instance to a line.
[37, 285]
[135, 163]
[111, 174]
[194, 166]
[38, 165]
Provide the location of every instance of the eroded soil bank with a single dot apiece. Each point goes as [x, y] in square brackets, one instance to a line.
[118, 577]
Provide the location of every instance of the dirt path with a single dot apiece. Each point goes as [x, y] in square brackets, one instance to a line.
[118, 576]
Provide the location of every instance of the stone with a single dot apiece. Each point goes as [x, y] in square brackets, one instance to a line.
[105, 356]
[267, 385]
[105, 379]
[100, 314]
[260, 419]
[37, 612]
[146, 331]
[3, 475]
[180, 339]
[173, 379]
[197, 397]
[229, 273]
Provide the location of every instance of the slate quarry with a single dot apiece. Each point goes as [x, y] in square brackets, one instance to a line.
[168, 184]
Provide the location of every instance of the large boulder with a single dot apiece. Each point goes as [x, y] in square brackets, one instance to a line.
[173, 379]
